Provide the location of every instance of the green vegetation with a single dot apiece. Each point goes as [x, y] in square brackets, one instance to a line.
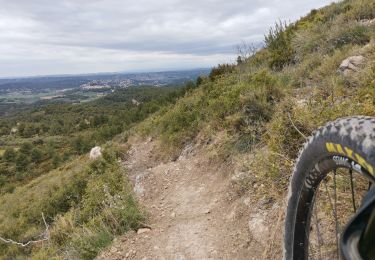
[44, 170]
[87, 203]
[45, 137]
[292, 83]
[223, 103]
[260, 105]
[279, 45]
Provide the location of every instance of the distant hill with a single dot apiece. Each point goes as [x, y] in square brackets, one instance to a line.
[42, 83]
[20, 92]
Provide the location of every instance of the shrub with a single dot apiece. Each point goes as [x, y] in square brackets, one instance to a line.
[81, 144]
[22, 162]
[9, 155]
[221, 69]
[26, 148]
[36, 155]
[352, 34]
[278, 43]
[180, 124]
[89, 241]
[362, 10]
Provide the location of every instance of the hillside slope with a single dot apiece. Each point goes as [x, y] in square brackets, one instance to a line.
[310, 72]
[212, 181]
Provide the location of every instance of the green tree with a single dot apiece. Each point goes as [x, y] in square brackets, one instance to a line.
[199, 81]
[26, 148]
[81, 144]
[21, 129]
[4, 131]
[22, 162]
[239, 60]
[36, 155]
[29, 131]
[189, 85]
[10, 155]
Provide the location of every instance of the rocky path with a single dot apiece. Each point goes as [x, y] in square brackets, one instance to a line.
[193, 211]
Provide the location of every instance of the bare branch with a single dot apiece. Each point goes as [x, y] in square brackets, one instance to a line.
[291, 121]
[245, 50]
[45, 237]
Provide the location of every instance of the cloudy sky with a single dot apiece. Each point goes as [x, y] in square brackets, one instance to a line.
[41, 37]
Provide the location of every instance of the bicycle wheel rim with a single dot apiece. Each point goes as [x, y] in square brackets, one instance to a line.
[307, 199]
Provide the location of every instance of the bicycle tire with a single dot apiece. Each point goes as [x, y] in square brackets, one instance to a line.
[347, 142]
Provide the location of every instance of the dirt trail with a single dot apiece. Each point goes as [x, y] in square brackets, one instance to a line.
[194, 213]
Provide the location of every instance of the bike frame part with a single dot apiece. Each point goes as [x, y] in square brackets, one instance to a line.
[359, 235]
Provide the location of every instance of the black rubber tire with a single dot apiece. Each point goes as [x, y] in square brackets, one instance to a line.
[312, 165]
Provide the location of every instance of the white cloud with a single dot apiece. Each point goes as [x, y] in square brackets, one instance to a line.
[80, 36]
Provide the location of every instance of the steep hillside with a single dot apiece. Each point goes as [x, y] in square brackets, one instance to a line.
[212, 176]
[253, 118]
[312, 71]
[46, 136]
[50, 191]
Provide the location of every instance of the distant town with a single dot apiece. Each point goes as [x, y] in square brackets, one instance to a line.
[78, 88]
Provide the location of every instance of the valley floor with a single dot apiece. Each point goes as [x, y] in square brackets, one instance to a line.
[194, 212]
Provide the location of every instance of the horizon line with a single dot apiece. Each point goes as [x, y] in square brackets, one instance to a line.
[102, 73]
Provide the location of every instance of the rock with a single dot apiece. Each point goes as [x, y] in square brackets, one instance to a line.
[139, 189]
[143, 230]
[350, 64]
[367, 22]
[173, 215]
[213, 252]
[265, 201]
[247, 201]
[369, 46]
[95, 152]
[113, 250]
[258, 227]
[301, 102]
[238, 177]
[138, 183]
[207, 211]
[135, 102]
[187, 151]
[14, 130]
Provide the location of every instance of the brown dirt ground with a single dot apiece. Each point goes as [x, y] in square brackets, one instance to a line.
[194, 210]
